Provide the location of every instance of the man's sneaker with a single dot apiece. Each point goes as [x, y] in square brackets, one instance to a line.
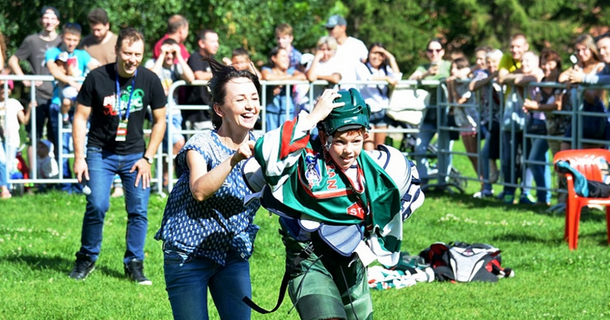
[508, 198]
[82, 268]
[134, 269]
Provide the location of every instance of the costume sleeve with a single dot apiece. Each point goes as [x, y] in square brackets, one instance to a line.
[279, 150]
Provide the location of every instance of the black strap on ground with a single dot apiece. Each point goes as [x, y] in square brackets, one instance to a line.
[304, 254]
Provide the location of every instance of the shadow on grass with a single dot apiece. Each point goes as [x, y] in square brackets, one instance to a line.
[57, 263]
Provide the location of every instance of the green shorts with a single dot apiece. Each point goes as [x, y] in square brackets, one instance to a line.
[328, 287]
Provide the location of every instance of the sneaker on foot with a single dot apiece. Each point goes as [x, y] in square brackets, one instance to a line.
[483, 194]
[527, 199]
[134, 270]
[82, 268]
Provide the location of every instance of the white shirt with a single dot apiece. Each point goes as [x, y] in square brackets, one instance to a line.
[351, 53]
[376, 96]
[13, 107]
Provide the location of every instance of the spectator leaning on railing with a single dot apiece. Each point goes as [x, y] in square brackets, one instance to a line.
[489, 100]
[593, 127]
[436, 69]
[577, 75]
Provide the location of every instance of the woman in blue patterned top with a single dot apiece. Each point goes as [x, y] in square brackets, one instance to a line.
[207, 232]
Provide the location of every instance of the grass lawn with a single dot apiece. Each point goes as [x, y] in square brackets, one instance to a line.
[39, 235]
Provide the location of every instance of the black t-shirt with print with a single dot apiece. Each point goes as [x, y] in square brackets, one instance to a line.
[99, 93]
[197, 95]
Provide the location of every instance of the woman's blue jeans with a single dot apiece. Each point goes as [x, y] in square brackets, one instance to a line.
[541, 173]
[188, 279]
[103, 165]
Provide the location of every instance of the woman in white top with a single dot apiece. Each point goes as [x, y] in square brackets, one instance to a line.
[379, 66]
[589, 62]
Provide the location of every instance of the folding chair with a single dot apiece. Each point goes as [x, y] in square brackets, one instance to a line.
[587, 162]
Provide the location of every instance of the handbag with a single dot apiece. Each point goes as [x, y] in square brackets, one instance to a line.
[536, 126]
[408, 104]
[513, 117]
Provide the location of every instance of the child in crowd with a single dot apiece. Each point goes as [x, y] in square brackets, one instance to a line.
[279, 107]
[240, 60]
[466, 117]
[46, 163]
[284, 38]
[11, 115]
[489, 99]
[64, 94]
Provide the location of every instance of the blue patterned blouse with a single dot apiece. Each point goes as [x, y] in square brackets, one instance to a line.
[212, 227]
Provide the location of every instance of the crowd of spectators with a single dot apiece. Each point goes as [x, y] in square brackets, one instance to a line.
[336, 58]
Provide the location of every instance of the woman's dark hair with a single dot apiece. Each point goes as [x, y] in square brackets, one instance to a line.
[274, 51]
[438, 40]
[217, 85]
[385, 63]
[550, 55]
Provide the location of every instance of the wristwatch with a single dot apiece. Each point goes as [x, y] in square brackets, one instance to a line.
[149, 160]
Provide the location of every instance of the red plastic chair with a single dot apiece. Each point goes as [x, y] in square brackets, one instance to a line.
[585, 161]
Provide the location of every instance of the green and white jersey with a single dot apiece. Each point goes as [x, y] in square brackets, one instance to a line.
[305, 182]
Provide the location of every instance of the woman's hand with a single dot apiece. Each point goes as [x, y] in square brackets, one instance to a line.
[529, 105]
[244, 151]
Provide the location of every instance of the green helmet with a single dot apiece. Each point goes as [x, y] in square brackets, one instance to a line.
[353, 115]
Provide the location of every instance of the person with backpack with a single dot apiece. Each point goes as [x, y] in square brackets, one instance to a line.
[380, 65]
[340, 208]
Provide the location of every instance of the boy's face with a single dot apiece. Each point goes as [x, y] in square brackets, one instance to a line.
[71, 41]
[240, 62]
[284, 41]
[41, 150]
[346, 147]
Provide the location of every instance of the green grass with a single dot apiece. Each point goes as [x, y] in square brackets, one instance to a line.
[40, 233]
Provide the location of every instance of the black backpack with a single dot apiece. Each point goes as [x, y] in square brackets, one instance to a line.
[463, 262]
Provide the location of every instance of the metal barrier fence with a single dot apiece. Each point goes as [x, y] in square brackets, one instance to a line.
[444, 152]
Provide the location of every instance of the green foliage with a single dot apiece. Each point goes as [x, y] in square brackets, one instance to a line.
[404, 26]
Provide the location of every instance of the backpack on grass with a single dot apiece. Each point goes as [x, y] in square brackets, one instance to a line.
[463, 262]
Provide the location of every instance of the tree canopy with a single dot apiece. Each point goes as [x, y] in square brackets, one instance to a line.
[404, 26]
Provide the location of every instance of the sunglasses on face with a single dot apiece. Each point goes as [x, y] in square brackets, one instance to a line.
[434, 50]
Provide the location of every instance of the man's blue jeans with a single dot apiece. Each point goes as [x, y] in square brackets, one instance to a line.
[103, 166]
[187, 281]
